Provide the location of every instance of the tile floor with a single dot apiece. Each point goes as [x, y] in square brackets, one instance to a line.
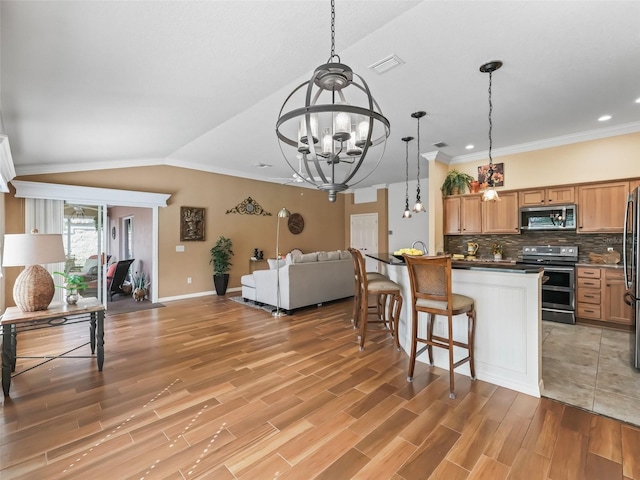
[590, 367]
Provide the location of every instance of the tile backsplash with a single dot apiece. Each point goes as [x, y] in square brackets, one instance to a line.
[512, 244]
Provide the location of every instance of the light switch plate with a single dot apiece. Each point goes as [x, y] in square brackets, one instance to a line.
[179, 248]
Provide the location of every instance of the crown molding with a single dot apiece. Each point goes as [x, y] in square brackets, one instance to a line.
[7, 169]
[589, 135]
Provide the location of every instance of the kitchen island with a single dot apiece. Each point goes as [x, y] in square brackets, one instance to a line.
[508, 320]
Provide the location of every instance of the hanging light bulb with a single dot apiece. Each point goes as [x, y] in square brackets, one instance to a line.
[407, 212]
[418, 207]
[490, 194]
[333, 98]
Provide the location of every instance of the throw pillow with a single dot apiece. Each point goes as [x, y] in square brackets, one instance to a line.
[323, 256]
[273, 263]
[306, 258]
[344, 254]
[333, 255]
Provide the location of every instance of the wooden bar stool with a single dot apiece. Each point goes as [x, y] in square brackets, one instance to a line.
[430, 279]
[388, 305]
[356, 296]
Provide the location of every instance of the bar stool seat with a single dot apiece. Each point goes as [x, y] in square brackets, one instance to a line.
[387, 307]
[430, 279]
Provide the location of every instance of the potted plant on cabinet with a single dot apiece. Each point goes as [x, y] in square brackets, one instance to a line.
[221, 254]
[456, 182]
[73, 284]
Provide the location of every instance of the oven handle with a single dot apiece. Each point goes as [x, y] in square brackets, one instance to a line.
[558, 269]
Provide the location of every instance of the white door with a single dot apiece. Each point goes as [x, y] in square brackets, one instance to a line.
[364, 237]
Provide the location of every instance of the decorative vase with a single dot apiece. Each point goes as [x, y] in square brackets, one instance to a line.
[139, 294]
[71, 298]
[474, 186]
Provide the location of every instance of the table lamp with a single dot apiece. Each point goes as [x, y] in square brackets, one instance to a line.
[34, 286]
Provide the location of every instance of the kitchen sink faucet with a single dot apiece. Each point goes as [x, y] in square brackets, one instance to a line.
[425, 250]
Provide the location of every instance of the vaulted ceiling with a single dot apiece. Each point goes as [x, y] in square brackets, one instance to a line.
[103, 84]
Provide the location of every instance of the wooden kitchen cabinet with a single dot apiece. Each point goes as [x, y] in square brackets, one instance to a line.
[462, 215]
[599, 296]
[501, 216]
[601, 207]
[614, 308]
[548, 196]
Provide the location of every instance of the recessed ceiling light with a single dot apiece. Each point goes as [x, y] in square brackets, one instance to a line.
[262, 165]
[604, 118]
[638, 100]
[469, 147]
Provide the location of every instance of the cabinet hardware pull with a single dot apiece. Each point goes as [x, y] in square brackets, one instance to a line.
[589, 311]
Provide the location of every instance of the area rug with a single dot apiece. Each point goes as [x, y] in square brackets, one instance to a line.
[252, 304]
[128, 304]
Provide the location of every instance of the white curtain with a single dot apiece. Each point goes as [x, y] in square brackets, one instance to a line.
[48, 217]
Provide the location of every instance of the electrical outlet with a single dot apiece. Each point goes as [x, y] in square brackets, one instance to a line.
[188, 279]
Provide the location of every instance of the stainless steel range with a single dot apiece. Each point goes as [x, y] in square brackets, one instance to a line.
[559, 287]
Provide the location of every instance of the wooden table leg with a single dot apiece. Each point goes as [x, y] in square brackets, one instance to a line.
[8, 356]
[100, 340]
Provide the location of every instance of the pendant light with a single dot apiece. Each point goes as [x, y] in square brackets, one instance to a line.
[418, 207]
[407, 212]
[490, 194]
[337, 125]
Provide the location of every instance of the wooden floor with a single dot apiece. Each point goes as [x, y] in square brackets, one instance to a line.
[208, 388]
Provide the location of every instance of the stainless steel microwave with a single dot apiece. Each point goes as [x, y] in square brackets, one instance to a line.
[556, 217]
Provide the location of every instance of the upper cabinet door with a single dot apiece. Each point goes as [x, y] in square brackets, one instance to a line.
[547, 196]
[471, 214]
[560, 195]
[501, 216]
[452, 220]
[601, 207]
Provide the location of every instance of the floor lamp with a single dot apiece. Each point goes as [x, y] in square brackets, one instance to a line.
[283, 213]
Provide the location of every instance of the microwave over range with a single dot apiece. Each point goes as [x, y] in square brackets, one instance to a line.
[556, 217]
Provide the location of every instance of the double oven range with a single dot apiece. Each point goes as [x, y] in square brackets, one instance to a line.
[559, 285]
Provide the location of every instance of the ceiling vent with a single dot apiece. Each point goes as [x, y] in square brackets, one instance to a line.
[440, 144]
[386, 64]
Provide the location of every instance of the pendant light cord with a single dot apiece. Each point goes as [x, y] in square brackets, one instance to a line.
[406, 175]
[490, 172]
[418, 175]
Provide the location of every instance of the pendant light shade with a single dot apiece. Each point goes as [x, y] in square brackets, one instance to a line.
[490, 194]
[418, 207]
[334, 122]
[407, 212]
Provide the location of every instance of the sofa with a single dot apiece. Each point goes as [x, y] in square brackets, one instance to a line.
[305, 279]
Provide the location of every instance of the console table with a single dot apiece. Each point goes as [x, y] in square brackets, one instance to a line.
[15, 320]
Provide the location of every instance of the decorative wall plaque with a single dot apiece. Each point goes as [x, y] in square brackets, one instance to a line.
[191, 223]
[249, 207]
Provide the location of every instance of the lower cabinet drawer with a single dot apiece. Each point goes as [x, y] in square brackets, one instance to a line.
[589, 296]
[587, 310]
[588, 283]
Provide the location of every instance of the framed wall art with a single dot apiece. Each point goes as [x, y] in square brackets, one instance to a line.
[191, 224]
[498, 174]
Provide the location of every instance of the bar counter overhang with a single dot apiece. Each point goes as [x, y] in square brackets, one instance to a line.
[508, 345]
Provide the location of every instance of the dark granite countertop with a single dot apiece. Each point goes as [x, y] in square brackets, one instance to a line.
[600, 265]
[489, 265]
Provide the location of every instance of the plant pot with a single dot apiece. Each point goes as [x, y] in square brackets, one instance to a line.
[139, 294]
[72, 297]
[455, 191]
[497, 256]
[221, 282]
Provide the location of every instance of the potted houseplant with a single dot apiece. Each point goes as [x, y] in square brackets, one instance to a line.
[221, 254]
[73, 284]
[140, 284]
[456, 182]
[497, 251]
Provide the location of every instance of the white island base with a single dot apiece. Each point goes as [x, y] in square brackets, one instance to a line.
[508, 325]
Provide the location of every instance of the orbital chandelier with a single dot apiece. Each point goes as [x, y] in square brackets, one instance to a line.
[334, 122]
[490, 194]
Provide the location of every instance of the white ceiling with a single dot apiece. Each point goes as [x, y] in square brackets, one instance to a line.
[102, 84]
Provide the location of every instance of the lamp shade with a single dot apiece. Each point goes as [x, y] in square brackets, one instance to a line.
[32, 249]
[34, 287]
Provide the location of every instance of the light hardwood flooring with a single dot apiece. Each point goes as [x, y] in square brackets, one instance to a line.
[210, 389]
[590, 367]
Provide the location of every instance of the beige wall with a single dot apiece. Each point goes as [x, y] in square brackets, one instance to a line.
[324, 221]
[595, 160]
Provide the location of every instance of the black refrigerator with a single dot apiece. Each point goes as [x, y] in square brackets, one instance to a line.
[631, 261]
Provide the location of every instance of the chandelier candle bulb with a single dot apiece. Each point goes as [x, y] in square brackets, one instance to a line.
[341, 126]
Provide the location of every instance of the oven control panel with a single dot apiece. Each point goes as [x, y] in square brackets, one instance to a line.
[550, 250]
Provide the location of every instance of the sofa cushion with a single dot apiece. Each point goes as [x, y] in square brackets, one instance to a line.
[328, 256]
[344, 254]
[306, 258]
[248, 280]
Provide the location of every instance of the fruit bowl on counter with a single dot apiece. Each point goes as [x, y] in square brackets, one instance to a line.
[407, 251]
